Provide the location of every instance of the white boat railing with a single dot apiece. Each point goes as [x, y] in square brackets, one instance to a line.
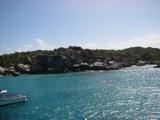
[3, 91]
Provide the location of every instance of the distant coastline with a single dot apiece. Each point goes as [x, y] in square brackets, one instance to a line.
[74, 59]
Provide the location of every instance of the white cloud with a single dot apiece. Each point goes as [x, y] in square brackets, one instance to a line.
[150, 40]
[36, 45]
[91, 45]
[5, 49]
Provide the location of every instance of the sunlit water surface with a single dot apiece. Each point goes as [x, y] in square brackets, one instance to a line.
[126, 94]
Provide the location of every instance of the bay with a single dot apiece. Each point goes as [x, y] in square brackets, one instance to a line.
[127, 94]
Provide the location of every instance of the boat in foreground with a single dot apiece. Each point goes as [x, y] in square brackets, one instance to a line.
[7, 98]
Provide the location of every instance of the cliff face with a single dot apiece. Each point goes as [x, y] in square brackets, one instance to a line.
[59, 64]
[50, 64]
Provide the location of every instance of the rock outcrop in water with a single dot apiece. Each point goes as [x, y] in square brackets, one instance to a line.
[141, 63]
[5, 71]
[158, 65]
[1, 71]
[22, 68]
[59, 64]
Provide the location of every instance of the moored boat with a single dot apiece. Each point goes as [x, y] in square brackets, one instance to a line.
[8, 98]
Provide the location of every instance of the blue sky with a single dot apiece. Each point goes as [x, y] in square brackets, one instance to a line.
[107, 24]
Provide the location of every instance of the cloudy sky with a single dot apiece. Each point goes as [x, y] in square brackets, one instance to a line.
[107, 24]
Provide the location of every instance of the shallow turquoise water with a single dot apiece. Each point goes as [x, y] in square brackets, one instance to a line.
[126, 94]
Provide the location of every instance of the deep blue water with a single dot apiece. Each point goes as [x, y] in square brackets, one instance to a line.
[126, 94]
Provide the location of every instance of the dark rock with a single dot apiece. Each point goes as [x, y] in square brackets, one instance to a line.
[152, 62]
[28, 60]
[84, 66]
[75, 67]
[14, 73]
[80, 67]
[157, 66]
[75, 48]
[11, 72]
[50, 64]
[35, 68]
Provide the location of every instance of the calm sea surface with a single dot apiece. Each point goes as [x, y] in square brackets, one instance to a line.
[126, 94]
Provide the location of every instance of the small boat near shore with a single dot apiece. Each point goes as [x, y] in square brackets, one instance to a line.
[8, 98]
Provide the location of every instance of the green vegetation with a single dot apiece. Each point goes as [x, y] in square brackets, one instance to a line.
[84, 55]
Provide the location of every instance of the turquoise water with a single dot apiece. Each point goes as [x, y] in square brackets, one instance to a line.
[126, 94]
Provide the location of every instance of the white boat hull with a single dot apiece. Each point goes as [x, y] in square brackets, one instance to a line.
[11, 100]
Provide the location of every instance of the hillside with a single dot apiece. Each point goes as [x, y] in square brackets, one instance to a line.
[84, 55]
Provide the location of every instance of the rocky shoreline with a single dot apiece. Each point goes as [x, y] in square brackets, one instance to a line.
[74, 59]
[60, 64]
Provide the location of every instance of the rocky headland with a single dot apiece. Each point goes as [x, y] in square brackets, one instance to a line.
[75, 59]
